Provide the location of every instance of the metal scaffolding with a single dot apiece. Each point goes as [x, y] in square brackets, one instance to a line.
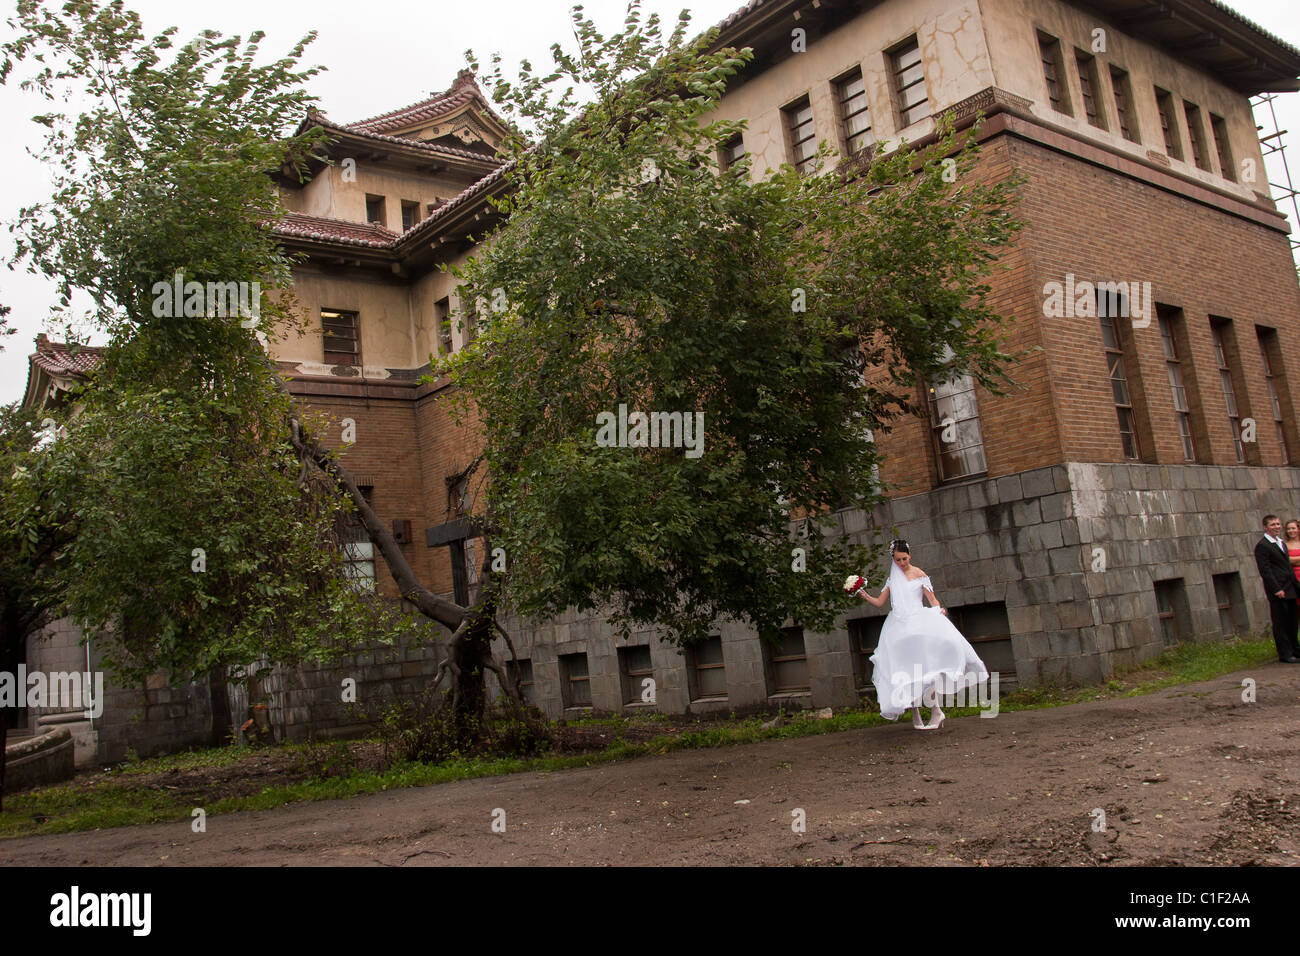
[1271, 143]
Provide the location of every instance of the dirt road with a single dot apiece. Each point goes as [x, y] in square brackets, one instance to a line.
[1192, 775]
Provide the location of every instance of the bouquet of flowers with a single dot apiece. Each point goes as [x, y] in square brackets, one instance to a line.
[854, 583]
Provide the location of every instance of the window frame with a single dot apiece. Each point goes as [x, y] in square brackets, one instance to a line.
[795, 140]
[898, 89]
[1052, 62]
[521, 672]
[630, 679]
[731, 153]
[336, 316]
[1116, 356]
[1195, 121]
[1090, 88]
[443, 333]
[1121, 88]
[865, 136]
[568, 680]
[359, 549]
[1168, 321]
[694, 666]
[776, 663]
[1269, 350]
[1223, 147]
[410, 214]
[1220, 329]
[961, 385]
[1169, 123]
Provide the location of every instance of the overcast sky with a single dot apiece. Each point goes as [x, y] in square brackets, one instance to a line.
[381, 55]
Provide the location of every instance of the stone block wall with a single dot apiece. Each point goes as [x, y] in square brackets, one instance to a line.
[1072, 551]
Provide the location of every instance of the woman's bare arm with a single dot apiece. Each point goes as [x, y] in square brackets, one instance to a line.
[874, 601]
[934, 601]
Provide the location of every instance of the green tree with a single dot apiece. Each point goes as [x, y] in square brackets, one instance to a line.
[629, 272]
[31, 539]
[199, 538]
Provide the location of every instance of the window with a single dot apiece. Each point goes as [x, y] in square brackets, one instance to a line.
[471, 562]
[864, 635]
[955, 425]
[1217, 329]
[1168, 319]
[442, 326]
[1058, 94]
[358, 550]
[469, 316]
[375, 211]
[1227, 168]
[1172, 611]
[341, 333]
[1089, 84]
[908, 72]
[575, 683]
[787, 662]
[1232, 608]
[1168, 123]
[1123, 91]
[410, 214]
[1196, 135]
[520, 673]
[803, 145]
[634, 668]
[1270, 353]
[707, 670]
[988, 629]
[855, 117]
[731, 152]
[1119, 386]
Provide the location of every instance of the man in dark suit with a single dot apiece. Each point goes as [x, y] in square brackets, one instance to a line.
[1280, 585]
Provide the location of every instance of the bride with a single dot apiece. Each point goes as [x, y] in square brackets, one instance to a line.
[921, 655]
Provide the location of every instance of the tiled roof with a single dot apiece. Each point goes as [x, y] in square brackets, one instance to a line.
[740, 14]
[464, 90]
[320, 120]
[377, 237]
[431, 108]
[1255, 26]
[61, 358]
[460, 199]
[335, 230]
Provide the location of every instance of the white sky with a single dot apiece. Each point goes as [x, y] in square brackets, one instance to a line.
[381, 55]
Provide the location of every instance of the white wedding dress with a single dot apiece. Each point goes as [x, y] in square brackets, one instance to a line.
[919, 649]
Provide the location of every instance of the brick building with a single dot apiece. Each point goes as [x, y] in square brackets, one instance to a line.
[1084, 521]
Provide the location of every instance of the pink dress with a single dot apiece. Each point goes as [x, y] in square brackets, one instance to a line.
[1295, 552]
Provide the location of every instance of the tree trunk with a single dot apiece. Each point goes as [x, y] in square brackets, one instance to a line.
[447, 613]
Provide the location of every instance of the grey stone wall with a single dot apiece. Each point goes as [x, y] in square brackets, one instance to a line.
[153, 719]
[1073, 551]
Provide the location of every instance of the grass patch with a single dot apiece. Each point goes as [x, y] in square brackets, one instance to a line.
[137, 791]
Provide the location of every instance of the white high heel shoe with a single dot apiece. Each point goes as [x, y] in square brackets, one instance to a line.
[916, 719]
[937, 717]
